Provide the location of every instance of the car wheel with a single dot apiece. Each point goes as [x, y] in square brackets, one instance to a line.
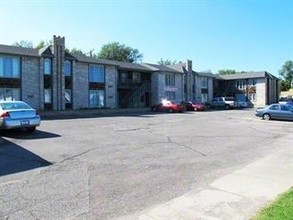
[154, 109]
[31, 129]
[195, 109]
[227, 107]
[266, 117]
[171, 110]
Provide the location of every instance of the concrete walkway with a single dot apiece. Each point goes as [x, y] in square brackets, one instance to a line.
[235, 196]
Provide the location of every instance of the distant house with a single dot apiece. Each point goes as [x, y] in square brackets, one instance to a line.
[53, 79]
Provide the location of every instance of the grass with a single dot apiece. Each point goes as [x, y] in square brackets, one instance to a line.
[280, 209]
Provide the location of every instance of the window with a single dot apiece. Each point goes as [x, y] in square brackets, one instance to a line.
[275, 107]
[9, 67]
[170, 95]
[285, 108]
[204, 97]
[48, 96]
[67, 95]
[136, 77]
[96, 73]
[240, 84]
[204, 82]
[252, 97]
[253, 82]
[47, 66]
[9, 94]
[170, 79]
[67, 68]
[96, 98]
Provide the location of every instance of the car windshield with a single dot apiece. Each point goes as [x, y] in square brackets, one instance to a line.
[14, 106]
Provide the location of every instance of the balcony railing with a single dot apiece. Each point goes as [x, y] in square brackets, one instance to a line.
[128, 83]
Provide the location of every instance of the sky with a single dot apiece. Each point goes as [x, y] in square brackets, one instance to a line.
[242, 35]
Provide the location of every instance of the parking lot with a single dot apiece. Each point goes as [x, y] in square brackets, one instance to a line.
[109, 167]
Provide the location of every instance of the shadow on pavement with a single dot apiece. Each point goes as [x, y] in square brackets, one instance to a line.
[15, 159]
[23, 134]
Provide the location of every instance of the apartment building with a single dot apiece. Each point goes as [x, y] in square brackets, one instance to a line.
[53, 79]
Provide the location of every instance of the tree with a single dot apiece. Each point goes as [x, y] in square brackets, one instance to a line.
[287, 73]
[226, 72]
[284, 85]
[43, 43]
[119, 52]
[76, 51]
[168, 62]
[23, 43]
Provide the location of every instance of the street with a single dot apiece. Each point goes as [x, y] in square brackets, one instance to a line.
[116, 166]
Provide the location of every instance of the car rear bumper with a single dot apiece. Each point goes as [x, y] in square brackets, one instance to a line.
[8, 123]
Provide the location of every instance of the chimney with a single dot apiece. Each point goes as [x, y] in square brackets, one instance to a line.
[189, 82]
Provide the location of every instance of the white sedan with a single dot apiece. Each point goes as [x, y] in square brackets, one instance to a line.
[18, 114]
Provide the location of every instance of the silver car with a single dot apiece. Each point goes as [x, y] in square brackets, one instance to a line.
[275, 111]
[18, 114]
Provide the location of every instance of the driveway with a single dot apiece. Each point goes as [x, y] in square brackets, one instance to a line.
[120, 166]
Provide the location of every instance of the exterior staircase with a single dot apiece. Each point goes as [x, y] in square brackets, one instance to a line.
[137, 97]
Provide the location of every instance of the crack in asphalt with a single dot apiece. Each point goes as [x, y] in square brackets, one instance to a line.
[133, 129]
[77, 155]
[185, 146]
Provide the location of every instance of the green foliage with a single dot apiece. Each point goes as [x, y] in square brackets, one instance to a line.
[168, 62]
[76, 51]
[43, 43]
[23, 43]
[281, 209]
[119, 52]
[284, 85]
[287, 74]
[226, 72]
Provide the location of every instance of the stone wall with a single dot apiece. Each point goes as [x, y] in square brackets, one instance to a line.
[260, 92]
[210, 88]
[80, 85]
[30, 78]
[111, 76]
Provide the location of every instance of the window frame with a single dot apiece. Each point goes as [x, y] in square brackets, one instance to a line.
[170, 95]
[66, 63]
[94, 77]
[3, 92]
[170, 79]
[46, 65]
[97, 91]
[14, 74]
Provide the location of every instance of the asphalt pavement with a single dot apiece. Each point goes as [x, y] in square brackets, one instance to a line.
[196, 165]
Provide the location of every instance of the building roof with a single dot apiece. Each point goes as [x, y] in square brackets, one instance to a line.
[86, 59]
[163, 68]
[133, 66]
[46, 51]
[205, 74]
[119, 64]
[16, 50]
[180, 67]
[247, 75]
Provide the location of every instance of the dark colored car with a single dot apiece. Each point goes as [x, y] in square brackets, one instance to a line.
[168, 106]
[221, 102]
[193, 106]
[275, 111]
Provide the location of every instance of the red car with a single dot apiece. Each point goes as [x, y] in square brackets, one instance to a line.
[193, 106]
[168, 106]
